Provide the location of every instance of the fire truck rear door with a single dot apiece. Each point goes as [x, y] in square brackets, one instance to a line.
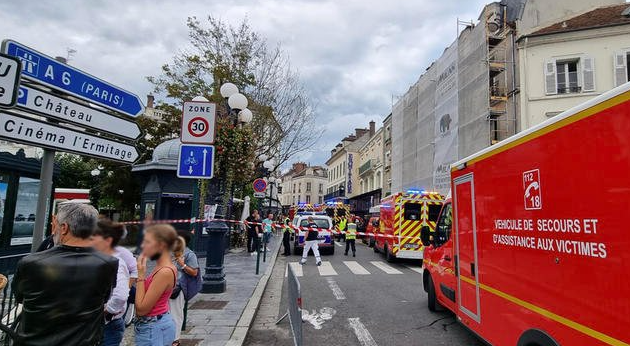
[466, 247]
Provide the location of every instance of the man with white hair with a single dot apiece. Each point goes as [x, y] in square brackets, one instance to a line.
[64, 289]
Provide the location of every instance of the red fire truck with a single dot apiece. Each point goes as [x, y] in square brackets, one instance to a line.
[401, 218]
[533, 249]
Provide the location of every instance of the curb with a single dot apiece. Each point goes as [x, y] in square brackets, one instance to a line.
[247, 317]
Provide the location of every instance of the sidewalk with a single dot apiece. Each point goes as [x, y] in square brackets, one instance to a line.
[224, 319]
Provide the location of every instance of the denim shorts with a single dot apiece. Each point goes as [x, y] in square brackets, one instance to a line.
[156, 332]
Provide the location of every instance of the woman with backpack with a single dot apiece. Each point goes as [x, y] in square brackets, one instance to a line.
[188, 282]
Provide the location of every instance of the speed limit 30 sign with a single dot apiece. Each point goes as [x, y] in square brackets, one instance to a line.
[198, 119]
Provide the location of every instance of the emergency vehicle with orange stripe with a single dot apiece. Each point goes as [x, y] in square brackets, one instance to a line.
[402, 215]
[523, 255]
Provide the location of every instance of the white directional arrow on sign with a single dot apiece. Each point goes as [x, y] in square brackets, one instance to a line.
[205, 155]
[59, 108]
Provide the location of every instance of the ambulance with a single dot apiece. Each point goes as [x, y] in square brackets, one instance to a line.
[401, 218]
[534, 247]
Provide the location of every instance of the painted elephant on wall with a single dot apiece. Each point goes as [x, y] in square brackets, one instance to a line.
[445, 123]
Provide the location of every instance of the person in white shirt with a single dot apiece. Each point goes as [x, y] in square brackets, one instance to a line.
[105, 239]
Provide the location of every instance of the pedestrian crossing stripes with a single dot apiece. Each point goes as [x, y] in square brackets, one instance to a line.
[386, 267]
[356, 268]
[416, 269]
[326, 269]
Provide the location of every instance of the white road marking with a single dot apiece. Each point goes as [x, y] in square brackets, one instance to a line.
[336, 290]
[326, 269]
[297, 269]
[338, 244]
[356, 268]
[317, 318]
[364, 336]
[416, 269]
[385, 267]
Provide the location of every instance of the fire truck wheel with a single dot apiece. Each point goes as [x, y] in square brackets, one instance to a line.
[432, 302]
[375, 248]
[535, 337]
[388, 255]
[297, 250]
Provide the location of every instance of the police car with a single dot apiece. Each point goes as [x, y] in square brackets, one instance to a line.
[326, 242]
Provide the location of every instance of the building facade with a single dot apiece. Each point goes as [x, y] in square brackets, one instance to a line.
[571, 61]
[343, 167]
[370, 173]
[303, 184]
[387, 156]
[470, 97]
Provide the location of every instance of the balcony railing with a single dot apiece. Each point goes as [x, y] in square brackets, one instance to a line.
[366, 167]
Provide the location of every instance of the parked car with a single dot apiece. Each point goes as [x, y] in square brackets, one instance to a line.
[325, 225]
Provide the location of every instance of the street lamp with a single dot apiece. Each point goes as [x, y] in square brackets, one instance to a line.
[214, 277]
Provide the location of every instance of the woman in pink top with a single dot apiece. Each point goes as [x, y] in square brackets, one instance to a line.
[155, 326]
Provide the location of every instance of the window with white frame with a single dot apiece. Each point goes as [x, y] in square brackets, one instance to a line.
[621, 70]
[569, 75]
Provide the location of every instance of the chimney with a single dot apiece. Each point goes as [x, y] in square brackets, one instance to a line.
[150, 101]
[372, 128]
[299, 167]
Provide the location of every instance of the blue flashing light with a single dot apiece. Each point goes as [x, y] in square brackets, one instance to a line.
[415, 191]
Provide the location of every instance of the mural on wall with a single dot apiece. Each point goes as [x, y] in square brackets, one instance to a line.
[446, 118]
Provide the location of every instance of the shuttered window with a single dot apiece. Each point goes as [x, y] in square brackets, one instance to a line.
[568, 76]
[551, 84]
[622, 74]
[588, 74]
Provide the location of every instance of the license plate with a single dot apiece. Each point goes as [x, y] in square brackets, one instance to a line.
[411, 246]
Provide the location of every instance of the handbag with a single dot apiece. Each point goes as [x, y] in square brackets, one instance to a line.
[176, 291]
[190, 285]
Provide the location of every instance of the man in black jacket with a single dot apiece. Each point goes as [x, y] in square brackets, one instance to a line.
[64, 289]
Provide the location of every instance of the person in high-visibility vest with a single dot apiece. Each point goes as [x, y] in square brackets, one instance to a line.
[351, 237]
[286, 237]
[342, 228]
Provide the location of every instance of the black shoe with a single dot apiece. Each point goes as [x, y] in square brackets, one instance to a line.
[354, 255]
[345, 254]
[319, 263]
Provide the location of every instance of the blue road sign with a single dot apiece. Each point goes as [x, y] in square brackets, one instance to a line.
[46, 70]
[196, 161]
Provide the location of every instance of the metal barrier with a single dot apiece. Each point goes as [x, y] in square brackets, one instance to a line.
[9, 312]
[294, 309]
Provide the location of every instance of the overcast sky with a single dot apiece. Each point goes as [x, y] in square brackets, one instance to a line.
[352, 55]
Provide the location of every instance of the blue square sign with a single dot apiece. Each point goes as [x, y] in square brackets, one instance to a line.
[196, 161]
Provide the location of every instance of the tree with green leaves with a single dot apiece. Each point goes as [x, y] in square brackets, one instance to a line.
[284, 117]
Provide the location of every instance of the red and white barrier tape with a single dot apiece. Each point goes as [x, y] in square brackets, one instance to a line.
[275, 225]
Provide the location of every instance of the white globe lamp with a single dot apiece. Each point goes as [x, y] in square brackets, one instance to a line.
[245, 116]
[237, 101]
[228, 89]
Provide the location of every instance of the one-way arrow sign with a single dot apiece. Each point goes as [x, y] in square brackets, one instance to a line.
[196, 161]
[46, 135]
[65, 110]
[52, 73]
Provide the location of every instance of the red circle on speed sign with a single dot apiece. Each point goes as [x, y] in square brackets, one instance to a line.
[198, 127]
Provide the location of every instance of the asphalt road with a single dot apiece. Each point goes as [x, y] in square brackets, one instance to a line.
[366, 302]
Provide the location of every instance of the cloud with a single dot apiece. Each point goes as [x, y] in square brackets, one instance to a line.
[353, 55]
